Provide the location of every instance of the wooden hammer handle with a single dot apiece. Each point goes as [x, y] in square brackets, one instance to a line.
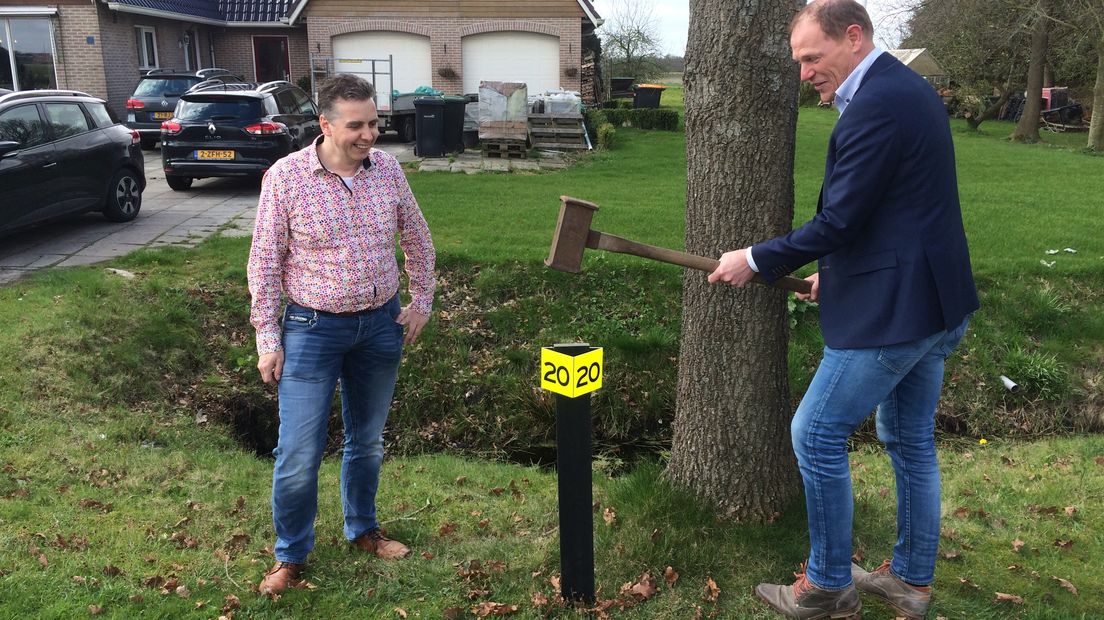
[612, 243]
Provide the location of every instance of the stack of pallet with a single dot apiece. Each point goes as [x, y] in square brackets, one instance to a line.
[502, 111]
[557, 131]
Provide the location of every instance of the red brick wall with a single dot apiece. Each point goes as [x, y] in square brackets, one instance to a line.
[234, 50]
[79, 65]
[446, 35]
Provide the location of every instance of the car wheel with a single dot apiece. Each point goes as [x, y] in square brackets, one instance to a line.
[406, 130]
[179, 183]
[124, 196]
[147, 143]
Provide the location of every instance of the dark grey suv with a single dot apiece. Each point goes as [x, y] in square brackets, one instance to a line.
[155, 98]
[62, 152]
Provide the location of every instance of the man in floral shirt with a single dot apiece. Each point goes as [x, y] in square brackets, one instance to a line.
[324, 243]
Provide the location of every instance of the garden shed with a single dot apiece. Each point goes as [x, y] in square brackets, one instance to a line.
[921, 61]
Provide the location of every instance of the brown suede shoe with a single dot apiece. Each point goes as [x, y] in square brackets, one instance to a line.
[375, 542]
[283, 575]
[804, 601]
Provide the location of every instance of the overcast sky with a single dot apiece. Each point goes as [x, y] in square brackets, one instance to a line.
[674, 20]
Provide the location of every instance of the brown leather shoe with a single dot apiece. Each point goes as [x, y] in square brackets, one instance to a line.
[283, 575]
[375, 542]
[805, 601]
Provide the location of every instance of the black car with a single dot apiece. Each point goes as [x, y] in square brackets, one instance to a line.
[234, 130]
[155, 98]
[62, 152]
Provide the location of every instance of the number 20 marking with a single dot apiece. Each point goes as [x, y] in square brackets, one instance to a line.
[590, 374]
[554, 374]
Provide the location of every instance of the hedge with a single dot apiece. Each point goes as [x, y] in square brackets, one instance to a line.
[644, 118]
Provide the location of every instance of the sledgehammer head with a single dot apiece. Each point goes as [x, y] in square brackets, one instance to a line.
[570, 239]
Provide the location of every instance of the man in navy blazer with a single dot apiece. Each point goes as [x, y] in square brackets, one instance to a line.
[895, 290]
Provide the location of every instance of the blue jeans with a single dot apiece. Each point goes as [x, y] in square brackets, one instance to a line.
[903, 382]
[363, 351]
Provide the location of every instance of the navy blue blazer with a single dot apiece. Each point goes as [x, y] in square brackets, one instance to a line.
[893, 260]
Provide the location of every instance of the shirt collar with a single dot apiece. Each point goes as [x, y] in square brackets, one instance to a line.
[317, 165]
[846, 91]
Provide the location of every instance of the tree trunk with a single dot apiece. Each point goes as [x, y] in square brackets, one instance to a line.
[990, 112]
[731, 438]
[1096, 125]
[1027, 130]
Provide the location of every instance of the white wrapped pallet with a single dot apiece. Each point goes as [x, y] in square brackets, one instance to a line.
[503, 111]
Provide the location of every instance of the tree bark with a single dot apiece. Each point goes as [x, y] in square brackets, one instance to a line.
[1096, 125]
[1027, 130]
[990, 112]
[731, 438]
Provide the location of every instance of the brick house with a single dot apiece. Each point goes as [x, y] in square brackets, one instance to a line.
[103, 46]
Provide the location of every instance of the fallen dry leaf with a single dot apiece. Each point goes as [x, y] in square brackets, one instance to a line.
[609, 516]
[1065, 584]
[1017, 545]
[490, 608]
[539, 599]
[1071, 510]
[497, 490]
[93, 504]
[670, 576]
[451, 613]
[460, 480]
[952, 554]
[711, 592]
[967, 582]
[231, 603]
[655, 535]
[1011, 598]
[401, 612]
[95, 610]
[111, 571]
[183, 592]
[427, 555]
[446, 529]
[1063, 544]
[645, 587]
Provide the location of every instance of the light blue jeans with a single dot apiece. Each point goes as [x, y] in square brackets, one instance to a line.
[363, 351]
[902, 382]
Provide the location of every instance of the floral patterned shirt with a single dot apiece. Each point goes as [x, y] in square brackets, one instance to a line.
[330, 247]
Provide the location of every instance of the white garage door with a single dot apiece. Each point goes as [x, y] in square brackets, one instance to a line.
[410, 52]
[512, 57]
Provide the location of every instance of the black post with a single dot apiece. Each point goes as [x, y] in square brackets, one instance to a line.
[576, 497]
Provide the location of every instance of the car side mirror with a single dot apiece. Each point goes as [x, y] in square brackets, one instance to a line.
[7, 146]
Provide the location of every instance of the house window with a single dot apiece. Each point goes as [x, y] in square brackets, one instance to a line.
[26, 54]
[146, 38]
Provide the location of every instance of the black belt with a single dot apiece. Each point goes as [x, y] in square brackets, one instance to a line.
[340, 314]
[348, 314]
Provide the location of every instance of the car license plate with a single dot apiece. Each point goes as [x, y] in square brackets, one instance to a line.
[162, 115]
[214, 154]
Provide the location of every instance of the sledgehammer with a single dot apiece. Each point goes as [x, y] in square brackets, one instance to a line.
[573, 235]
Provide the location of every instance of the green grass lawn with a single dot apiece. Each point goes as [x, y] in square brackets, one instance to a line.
[128, 409]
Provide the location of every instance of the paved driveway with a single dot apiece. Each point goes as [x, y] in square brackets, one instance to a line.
[167, 218]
